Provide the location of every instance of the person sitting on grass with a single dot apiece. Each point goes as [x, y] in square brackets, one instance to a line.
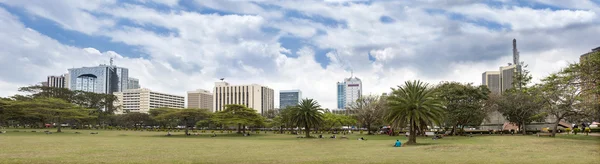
[398, 143]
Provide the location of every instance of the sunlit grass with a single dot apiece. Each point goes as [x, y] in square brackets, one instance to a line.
[155, 147]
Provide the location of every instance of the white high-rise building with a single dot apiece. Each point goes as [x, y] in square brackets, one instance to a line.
[353, 90]
[58, 81]
[200, 98]
[142, 100]
[257, 97]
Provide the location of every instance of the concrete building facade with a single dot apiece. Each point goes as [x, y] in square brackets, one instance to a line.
[200, 98]
[348, 92]
[491, 79]
[58, 81]
[289, 98]
[257, 97]
[99, 79]
[142, 100]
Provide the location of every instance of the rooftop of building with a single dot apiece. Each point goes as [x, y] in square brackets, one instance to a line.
[293, 90]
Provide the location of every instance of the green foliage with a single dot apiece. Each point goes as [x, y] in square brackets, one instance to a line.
[463, 103]
[576, 130]
[185, 117]
[134, 120]
[44, 110]
[238, 115]
[334, 121]
[307, 114]
[568, 130]
[414, 103]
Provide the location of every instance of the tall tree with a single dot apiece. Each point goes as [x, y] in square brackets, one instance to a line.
[238, 115]
[307, 113]
[415, 103]
[163, 122]
[464, 104]
[134, 119]
[368, 110]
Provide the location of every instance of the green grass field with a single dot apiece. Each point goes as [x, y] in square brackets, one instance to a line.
[155, 147]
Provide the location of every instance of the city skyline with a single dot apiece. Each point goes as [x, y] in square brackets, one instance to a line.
[184, 45]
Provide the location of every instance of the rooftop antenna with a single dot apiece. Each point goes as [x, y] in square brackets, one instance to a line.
[351, 73]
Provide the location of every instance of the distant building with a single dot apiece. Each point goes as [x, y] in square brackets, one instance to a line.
[341, 95]
[133, 83]
[289, 98]
[257, 97]
[142, 100]
[491, 79]
[58, 81]
[200, 98]
[99, 79]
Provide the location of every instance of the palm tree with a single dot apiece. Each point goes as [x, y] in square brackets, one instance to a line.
[416, 104]
[307, 113]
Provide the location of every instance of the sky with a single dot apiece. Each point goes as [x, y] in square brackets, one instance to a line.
[174, 46]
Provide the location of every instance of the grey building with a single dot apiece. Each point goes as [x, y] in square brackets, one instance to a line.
[99, 79]
[289, 98]
[133, 83]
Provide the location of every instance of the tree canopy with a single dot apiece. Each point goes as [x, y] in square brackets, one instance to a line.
[464, 104]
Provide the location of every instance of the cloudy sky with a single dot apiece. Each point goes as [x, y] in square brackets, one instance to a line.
[174, 46]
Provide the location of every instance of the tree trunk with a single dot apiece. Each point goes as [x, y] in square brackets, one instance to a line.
[58, 130]
[524, 130]
[369, 129]
[307, 130]
[412, 137]
[453, 131]
[243, 128]
[555, 128]
[239, 129]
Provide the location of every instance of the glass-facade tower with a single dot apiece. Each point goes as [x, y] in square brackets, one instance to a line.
[100, 79]
[289, 98]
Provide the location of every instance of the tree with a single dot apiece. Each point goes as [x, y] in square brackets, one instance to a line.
[415, 103]
[368, 110]
[587, 73]
[163, 122]
[307, 113]
[186, 117]
[235, 114]
[519, 104]
[134, 119]
[50, 109]
[464, 104]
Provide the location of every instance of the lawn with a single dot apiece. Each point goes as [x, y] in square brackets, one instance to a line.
[155, 147]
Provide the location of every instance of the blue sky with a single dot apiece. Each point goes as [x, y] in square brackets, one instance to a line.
[178, 45]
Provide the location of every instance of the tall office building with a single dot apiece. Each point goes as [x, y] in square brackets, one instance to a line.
[491, 79]
[257, 97]
[57, 81]
[341, 95]
[348, 91]
[289, 98]
[142, 100]
[500, 81]
[133, 83]
[200, 98]
[99, 79]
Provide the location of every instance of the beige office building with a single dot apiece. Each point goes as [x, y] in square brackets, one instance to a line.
[491, 79]
[142, 100]
[507, 74]
[200, 98]
[257, 97]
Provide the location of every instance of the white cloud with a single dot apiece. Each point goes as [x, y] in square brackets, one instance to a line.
[198, 49]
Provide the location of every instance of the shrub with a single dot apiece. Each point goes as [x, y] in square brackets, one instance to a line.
[594, 130]
[568, 130]
[361, 132]
[587, 131]
[576, 130]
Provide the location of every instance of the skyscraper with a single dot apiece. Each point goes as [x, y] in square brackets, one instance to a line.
[133, 83]
[289, 98]
[200, 98]
[99, 79]
[348, 91]
[257, 97]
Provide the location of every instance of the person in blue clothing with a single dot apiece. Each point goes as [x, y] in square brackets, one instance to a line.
[398, 143]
